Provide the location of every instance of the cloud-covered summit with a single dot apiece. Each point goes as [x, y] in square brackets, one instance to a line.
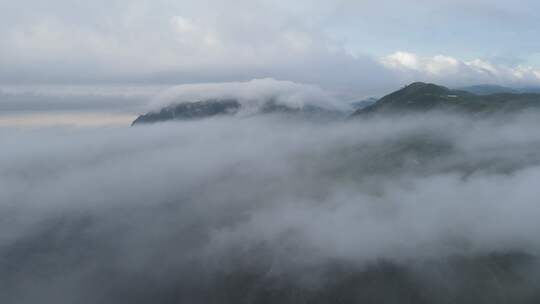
[252, 94]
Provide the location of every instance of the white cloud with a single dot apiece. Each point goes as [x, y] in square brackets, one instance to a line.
[280, 199]
[183, 25]
[440, 65]
[452, 71]
[253, 94]
[401, 60]
[333, 44]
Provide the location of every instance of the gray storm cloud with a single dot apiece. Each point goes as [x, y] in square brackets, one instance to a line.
[183, 211]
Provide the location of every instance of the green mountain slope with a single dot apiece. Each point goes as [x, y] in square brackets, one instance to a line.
[422, 97]
[190, 110]
[488, 89]
[217, 107]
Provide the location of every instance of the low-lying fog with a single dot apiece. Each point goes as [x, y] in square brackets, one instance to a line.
[416, 209]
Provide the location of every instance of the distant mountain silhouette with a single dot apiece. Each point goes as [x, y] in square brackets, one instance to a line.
[358, 105]
[191, 110]
[488, 89]
[217, 107]
[422, 97]
[416, 97]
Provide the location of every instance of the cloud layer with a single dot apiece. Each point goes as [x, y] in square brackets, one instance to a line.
[183, 212]
[252, 94]
[332, 44]
[454, 72]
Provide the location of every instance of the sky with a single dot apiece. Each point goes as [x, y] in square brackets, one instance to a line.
[356, 48]
[331, 42]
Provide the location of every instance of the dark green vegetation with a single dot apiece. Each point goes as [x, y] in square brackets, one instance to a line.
[422, 97]
[216, 107]
[358, 105]
[480, 280]
[249, 277]
[487, 89]
[416, 97]
[193, 110]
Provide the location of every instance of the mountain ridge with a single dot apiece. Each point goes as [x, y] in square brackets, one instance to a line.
[230, 107]
[490, 89]
[415, 97]
[423, 97]
[190, 111]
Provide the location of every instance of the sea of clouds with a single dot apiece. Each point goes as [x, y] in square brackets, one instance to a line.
[418, 208]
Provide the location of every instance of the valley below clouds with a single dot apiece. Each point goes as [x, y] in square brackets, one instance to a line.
[436, 208]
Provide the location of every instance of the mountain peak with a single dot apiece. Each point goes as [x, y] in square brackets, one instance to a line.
[191, 110]
[420, 96]
[423, 87]
[223, 107]
[417, 95]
